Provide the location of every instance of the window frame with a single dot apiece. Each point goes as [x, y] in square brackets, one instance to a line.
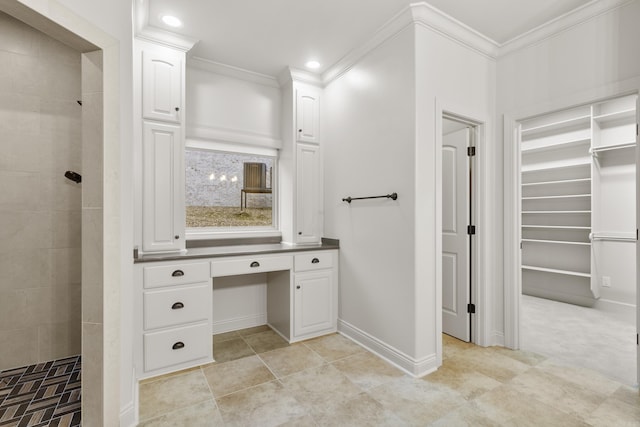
[214, 233]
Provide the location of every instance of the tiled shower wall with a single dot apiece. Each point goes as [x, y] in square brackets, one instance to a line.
[40, 210]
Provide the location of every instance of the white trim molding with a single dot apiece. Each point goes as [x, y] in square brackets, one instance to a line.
[415, 367]
[231, 71]
[152, 34]
[236, 136]
[561, 23]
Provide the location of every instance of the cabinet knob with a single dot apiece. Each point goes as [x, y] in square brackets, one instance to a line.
[255, 264]
[178, 345]
[177, 108]
[176, 237]
[298, 287]
[299, 233]
[315, 261]
[177, 306]
[177, 273]
[299, 130]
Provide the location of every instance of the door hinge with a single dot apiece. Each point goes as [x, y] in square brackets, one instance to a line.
[471, 151]
[471, 308]
[471, 229]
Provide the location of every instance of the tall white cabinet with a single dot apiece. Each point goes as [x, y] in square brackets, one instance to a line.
[301, 190]
[578, 201]
[160, 107]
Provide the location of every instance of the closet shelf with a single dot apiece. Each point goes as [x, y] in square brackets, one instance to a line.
[556, 271]
[579, 163]
[576, 121]
[613, 147]
[616, 116]
[553, 146]
[560, 181]
[557, 227]
[567, 196]
[556, 212]
[556, 242]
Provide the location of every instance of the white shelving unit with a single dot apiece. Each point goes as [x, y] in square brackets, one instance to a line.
[567, 192]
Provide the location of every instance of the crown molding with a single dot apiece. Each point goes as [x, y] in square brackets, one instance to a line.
[422, 14]
[144, 31]
[428, 16]
[290, 74]
[562, 23]
[231, 71]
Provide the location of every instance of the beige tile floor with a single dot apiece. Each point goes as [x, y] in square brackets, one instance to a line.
[260, 380]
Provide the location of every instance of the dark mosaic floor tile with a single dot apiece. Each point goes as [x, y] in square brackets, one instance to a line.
[44, 394]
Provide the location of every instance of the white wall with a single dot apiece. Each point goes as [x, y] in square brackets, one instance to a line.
[590, 61]
[380, 135]
[368, 148]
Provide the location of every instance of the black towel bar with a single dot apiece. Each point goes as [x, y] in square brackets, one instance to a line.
[392, 196]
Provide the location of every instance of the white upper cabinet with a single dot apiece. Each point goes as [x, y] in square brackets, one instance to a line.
[162, 188]
[162, 87]
[308, 115]
[309, 194]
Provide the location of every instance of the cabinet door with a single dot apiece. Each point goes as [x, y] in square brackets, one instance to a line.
[307, 115]
[162, 188]
[313, 305]
[161, 87]
[309, 194]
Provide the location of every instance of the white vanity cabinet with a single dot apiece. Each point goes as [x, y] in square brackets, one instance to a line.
[159, 108]
[308, 114]
[174, 322]
[315, 294]
[309, 193]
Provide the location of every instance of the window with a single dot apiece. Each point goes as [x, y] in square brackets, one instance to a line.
[229, 191]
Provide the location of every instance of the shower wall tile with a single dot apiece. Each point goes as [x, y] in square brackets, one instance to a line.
[22, 230]
[56, 340]
[92, 374]
[18, 38]
[40, 210]
[66, 266]
[92, 150]
[24, 268]
[19, 347]
[92, 72]
[67, 229]
[24, 153]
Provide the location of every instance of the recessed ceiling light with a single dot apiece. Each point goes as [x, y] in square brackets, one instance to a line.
[312, 65]
[172, 21]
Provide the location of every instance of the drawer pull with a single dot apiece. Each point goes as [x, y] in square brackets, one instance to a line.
[177, 273]
[178, 345]
[315, 261]
[255, 264]
[177, 306]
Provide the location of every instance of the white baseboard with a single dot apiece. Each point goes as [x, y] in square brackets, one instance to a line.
[414, 367]
[128, 416]
[618, 310]
[228, 325]
[497, 338]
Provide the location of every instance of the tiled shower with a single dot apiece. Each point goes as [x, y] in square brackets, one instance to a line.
[40, 219]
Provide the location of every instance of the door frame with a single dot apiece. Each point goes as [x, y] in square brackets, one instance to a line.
[512, 208]
[482, 271]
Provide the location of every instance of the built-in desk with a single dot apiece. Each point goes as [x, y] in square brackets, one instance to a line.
[174, 298]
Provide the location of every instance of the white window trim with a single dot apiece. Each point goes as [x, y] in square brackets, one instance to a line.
[214, 233]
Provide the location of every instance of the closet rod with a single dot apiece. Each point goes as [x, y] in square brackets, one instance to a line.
[596, 150]
[611, 237]
[392, 196]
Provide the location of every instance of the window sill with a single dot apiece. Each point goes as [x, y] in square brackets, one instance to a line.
[236, 237]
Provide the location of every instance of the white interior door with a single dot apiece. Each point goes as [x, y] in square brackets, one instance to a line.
[455, 240]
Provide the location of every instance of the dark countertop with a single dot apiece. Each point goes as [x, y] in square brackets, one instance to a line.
[237, 250]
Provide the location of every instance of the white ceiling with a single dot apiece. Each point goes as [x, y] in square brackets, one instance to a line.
[266, 36]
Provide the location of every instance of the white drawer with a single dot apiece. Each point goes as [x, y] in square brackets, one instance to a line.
[246, 265]
[175, 274]
[176, 346]
[313, 261]
[175, 306]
